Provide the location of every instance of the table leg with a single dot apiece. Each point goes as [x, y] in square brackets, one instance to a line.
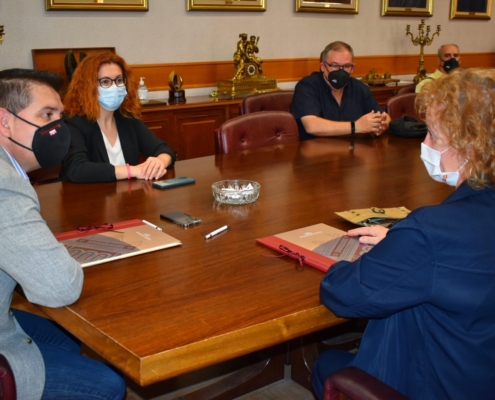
[268, 369]
[303, 354]
[305, 350]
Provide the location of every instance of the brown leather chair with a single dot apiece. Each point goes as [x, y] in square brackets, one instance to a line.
[407, 89]
[271, 101]
[7, 382]
[402, 104]
[355, 384]
[264, 128]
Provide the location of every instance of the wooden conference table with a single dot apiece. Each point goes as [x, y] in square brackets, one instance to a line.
[162, 314]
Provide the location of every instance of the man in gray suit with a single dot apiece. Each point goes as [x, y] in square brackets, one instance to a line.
[46, 361]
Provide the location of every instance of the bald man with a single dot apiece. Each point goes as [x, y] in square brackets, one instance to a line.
[449, 58]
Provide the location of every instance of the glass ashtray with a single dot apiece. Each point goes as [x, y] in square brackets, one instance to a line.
[236, 191]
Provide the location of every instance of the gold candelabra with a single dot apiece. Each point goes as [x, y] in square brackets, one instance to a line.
[423, 39]
[2, 33]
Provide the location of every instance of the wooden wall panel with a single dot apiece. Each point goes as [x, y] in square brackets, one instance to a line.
[53, 59]
[206, 74]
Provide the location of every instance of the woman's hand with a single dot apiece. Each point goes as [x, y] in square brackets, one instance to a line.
[152, 168]
[369, 234]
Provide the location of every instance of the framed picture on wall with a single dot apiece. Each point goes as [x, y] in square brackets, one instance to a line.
[475, 9]
[97, 5]
[340, 7]
[408, 8]
[226, 5]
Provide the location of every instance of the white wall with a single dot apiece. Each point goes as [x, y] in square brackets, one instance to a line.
[169, 33]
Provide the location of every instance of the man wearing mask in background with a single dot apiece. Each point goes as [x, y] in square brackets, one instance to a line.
[45, 360]
[449, 59]
[331, 103]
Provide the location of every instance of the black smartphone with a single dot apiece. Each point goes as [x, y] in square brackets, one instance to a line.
[180, 218]
[168, 183]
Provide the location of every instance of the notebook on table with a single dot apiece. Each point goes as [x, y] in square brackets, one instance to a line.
[318, 245]
[99, 244]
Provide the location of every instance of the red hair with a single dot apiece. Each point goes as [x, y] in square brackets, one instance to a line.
[82, 95]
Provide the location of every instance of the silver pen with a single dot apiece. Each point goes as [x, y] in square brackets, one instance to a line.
[152, 225]
[216, 232]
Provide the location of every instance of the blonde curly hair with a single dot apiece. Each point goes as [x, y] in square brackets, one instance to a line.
[464, 104]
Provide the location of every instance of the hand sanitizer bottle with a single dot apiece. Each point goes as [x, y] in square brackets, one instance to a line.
[142, 91]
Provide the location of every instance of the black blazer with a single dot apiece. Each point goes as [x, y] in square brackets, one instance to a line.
[87, 159]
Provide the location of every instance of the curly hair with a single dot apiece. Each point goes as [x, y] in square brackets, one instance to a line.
[82, 94]
[464, 104]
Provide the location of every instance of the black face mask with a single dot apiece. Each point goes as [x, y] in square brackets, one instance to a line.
[50, 142]
[338, 79]
[450, 65]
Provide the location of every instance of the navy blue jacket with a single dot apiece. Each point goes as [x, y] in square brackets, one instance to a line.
[313, 96]
[429, 289]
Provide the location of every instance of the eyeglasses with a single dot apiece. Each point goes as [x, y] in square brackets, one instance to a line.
[107, 82]
[346, 67]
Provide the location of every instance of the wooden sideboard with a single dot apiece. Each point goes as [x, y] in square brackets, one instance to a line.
[189, 128]
[383, 93]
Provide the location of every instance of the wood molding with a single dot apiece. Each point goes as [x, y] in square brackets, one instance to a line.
[207, 74]
[53, 59]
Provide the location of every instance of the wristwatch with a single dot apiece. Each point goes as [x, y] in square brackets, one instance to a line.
[353, 127]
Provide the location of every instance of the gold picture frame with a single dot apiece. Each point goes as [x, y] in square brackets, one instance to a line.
[480, 9]
[339, 7]
[97, 5]
[407, 8]
[226, 5]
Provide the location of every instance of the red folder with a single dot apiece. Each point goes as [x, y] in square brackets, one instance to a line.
[319, 246]
[310, 257]
[99, 244]
[91, 230]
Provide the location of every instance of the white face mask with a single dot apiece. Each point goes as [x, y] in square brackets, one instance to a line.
[431, 159]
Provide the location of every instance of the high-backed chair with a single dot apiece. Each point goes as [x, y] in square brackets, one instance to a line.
[7, 382]
[44, 175]
[271, 101]
[402, 104]
[406, 89]
[263, 128]
[355, 384]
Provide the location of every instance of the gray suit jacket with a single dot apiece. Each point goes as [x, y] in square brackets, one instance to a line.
[31, 257]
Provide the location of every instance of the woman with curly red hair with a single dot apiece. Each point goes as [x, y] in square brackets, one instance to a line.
[107, 134]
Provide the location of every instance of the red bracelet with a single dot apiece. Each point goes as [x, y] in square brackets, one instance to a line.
[128, 171]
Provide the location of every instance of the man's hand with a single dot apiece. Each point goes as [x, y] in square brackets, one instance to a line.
[384, 123]
[370, 122]
[369, 234]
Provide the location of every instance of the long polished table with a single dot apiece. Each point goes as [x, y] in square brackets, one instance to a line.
[169, 312]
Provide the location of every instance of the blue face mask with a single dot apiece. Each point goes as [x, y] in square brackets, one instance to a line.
[111, 98]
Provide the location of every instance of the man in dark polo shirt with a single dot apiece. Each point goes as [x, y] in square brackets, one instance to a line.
[331, 103]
